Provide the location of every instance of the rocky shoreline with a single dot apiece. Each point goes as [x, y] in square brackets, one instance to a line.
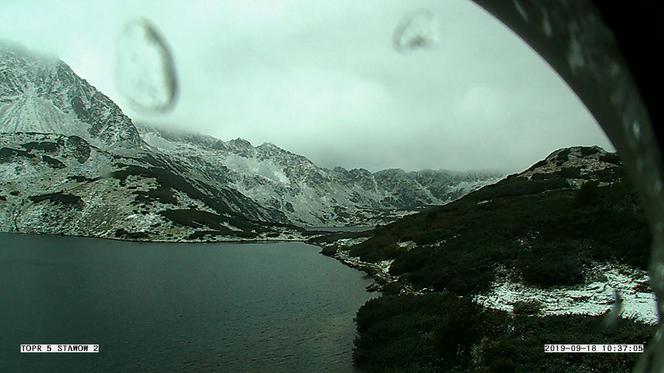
[380, 272]
[597, 297]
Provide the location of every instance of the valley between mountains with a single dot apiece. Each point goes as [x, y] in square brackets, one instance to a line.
[72, 163]
[478, 270]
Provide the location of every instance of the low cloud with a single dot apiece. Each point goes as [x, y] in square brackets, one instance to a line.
[324, 80]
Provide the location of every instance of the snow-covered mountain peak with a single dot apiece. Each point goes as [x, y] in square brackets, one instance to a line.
[309, 194]
[23, 67]
[42, 94]
[270, 148]
[240, 143]
[64, 138]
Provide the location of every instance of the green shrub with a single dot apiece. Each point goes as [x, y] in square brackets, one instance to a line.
[563, 156]
[46, 146]
[437, 333]
[392, 288]
[550, 265]
[569, 173]
[587, 194]
[52, 162]
[65, 199]
[8, 154]
[529, 308]
[122, 233]
[588, 150]
[329, 250]
[416, 332]
[611, 158]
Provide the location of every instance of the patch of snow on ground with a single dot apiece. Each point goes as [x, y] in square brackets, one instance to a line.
[348, 242]
[594, 298]
[384, 265]
[380, 271]
[408, 245]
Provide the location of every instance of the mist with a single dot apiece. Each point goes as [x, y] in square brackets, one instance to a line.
[324, 79]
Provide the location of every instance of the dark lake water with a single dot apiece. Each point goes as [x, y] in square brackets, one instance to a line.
[161, 307]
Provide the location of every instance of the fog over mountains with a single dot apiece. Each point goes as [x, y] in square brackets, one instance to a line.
[310, 195]
[72, 163]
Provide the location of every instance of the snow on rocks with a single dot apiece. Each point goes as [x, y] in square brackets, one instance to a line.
[379, 271]
[408, 245]
[587, 160]
[42, 94]
[384, 266]
[349, 242]
[310, 195]
[593, 298]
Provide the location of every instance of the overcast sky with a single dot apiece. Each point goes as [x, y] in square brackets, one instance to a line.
[323, 79]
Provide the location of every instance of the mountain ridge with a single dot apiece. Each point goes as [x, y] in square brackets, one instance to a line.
[557, 252]
[40, 94]
[336, 196]
[73, 163]
[55, 125]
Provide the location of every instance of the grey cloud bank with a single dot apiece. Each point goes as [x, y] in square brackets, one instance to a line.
[324, 80]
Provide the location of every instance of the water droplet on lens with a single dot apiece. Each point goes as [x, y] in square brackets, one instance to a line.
[521, 10]
[417, 30]
[636, 129]
[144, 67]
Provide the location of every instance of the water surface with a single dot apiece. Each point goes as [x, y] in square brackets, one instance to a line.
[176, 307]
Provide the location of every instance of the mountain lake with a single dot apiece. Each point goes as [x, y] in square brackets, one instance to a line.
[161, 307]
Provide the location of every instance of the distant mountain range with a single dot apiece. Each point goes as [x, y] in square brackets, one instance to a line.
[310, 195]
[72, 163]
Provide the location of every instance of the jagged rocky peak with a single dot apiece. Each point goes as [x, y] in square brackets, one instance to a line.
[268, 150]
[577, 163]
[352, 174]
[42, 94]
[269, 146]
[310, 195]
[241, 147]
[240, 143]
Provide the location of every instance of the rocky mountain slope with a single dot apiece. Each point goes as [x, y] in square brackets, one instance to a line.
[310, 195]
[558, 251]
[40, 94]
[61, 184]
[72, 163]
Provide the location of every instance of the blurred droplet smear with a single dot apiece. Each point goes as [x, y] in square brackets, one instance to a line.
[144, 68]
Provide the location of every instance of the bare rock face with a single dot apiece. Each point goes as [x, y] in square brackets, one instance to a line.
[310, 195]
[38, 94]
[578, 165]
[61, 184]
[72, 163]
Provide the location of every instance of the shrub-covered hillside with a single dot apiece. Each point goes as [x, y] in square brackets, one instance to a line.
[547, 224]
[546, 228]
